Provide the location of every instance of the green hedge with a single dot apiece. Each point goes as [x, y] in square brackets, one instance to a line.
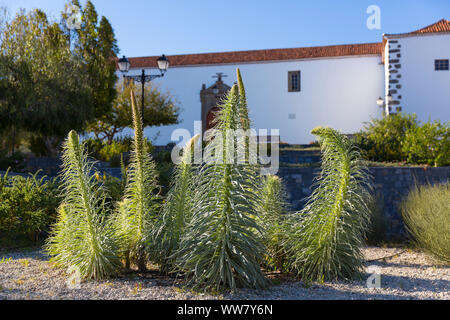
[27, 205]
[402, 138]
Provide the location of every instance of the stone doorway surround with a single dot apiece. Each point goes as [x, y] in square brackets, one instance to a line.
[210, 98]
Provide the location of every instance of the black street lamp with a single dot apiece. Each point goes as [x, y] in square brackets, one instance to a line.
[124, 66]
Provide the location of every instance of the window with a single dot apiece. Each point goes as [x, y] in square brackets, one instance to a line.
[293, 81]
[441, 64]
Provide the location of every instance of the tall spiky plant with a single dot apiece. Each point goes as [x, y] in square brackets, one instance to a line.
[177, 209]
[272, 213]
[82, 238]
[221, 247]
[326, 242]
[135, 218]
[243, 107]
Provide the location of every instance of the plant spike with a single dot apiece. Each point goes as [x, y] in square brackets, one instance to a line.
[177, 209]
[82, 239]
[221, 247]
[136, 215]
[243, 108]
[327, 239]
[272, 214]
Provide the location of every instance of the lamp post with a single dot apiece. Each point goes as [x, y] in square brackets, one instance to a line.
[124, 66]
[381, 103]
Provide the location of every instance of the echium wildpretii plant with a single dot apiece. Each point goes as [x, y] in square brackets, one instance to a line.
[177, 209]
[82, 239]
[137, 212]
[326, 241]
[221, 247]
[272, 216]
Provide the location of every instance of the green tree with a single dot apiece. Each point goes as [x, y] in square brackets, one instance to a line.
[160, 109]
[96, 45]
[43, 83]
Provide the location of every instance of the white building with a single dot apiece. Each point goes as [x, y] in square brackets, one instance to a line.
[297, 89]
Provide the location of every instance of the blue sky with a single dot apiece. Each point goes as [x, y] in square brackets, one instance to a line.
[152, 27]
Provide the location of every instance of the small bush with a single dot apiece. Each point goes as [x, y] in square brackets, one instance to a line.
[428, 144]
[426, 212]
[103, 151]
[382, 139]
[27, 205]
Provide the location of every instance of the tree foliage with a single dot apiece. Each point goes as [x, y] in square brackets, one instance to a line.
[43, 84]
[381, 139]
[428, 143]
[159, 109]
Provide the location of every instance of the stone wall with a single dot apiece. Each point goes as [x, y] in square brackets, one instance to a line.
[391, 185]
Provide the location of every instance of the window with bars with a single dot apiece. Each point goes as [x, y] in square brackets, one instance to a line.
[441, 64]
[293, 81]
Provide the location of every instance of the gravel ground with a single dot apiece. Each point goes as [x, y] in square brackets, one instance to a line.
[408, 275]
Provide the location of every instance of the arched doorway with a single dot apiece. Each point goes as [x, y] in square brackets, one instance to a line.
[212, 113]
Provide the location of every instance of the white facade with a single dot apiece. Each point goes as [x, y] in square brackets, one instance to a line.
[339, 91]
[423, 90]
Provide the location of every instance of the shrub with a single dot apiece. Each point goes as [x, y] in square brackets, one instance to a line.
[135, 219]
[221, 247]
[426, 212]
[428, 144]
[382, 138]
[27, 205]
[330, 230]
[272, 213]
[82, 239]
[112, 152]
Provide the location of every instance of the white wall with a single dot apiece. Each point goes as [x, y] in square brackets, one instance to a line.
[425, 91]
[337, 92]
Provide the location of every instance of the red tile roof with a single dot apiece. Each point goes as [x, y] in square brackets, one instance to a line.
[284, 54]
[440, 26]
[437, 27]
[262, 55]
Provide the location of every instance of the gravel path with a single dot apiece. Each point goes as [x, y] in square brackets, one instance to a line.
[409, 275]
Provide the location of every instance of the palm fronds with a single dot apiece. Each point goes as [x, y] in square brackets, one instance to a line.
[177, 209]
[330, 231]
[82, 238]
[135, 219]
[221, 247]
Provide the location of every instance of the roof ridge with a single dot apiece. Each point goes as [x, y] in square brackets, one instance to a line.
[265, 50]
